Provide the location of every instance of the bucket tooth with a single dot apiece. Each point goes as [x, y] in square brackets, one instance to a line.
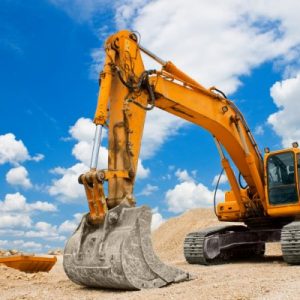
[118, 254]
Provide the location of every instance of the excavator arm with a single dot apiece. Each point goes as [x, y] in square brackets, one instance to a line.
[111, 247]
[128, 91]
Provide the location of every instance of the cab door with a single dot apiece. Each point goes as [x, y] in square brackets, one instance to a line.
[282, 184]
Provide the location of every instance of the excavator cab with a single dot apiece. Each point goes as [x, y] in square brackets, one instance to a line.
[282, 182]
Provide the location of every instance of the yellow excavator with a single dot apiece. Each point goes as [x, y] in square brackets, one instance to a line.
[111, 248]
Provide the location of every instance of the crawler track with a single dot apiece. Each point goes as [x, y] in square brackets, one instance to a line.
[222, 244]
[290, 243]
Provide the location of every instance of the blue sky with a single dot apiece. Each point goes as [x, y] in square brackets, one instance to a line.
[50, 53]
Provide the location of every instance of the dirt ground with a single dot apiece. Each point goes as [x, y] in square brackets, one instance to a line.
[269, 278]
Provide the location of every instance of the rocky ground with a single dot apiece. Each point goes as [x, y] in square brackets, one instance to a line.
[269, 278]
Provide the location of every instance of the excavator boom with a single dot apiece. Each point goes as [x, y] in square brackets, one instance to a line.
[112, 245]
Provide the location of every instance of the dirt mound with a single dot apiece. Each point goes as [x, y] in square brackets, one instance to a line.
[168, 238]
[13, 274]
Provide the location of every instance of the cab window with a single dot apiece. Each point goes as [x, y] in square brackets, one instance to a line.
[281, 179]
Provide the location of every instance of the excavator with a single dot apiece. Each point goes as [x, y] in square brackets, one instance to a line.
[111, 248]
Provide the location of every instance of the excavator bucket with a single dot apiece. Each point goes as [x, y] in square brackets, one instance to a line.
[118, 254]
[29, 263]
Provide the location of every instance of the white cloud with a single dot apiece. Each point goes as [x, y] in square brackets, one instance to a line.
[11, 232]
[233, 37]
[49, 232]
[42, 206]
[189, 194]
[16, 212]
[41, 230]
[259, 130]
[159, 127]
[21, 245]
[220, 31]
[83, 130]
[67, 187]
[285, 122]
[183, 176]
[13, 202]
[38, 157]
[157, 219]
[83, 152]
[69, 226]
[45, 231]
[14, 221]
[223, 179]
[18, 176]
[17, 202]
[142, 172]
[148, 190]
[82, 10]
[12, 150]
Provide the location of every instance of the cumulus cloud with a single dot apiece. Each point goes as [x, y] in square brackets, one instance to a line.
[45, 231]
[49, 232]
[222, 36]
[21, 245]
[223, 179]
[159, 127]
[157, 219]
[259, 130]
[14, 220]
[19, 177]
[42, 206]
[142, 172]
[14, 151]
[67, 188]
[233, 37]
[16, 212]
[285, 122]
[69, 226]
[220, 30]
[148, 190]
[183, 175]
[189, 194]
[83, 130]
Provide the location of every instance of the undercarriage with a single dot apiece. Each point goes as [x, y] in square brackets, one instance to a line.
[223, 244]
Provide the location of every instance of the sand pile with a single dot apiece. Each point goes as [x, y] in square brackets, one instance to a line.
[13, 274]
[168, 238]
